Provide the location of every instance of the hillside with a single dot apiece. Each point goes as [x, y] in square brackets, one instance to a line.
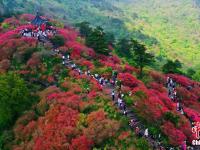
[169, 28]
[60, 94]
[175, 24]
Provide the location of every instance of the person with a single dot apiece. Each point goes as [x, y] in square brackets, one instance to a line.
[119, 101]
[175, 95]
[178, 106]
[88, 90]
[137, 130]
[174, 84]
[171, 96]
[106, 81]
[168, 79]
[68, 56]
[125, 112]
[146, 132]
[120, 84]
[192, 120]
[121, 105]
[184, 146]
[130, 93]
[190, 148]
[63, 57]
[79, 71]
[88, 73]
[99, 80]
[102, 81]
[159, 136]
[44, 34]
[124, 107]
[131, 122]
[162, 148]
[96, 76]
[119, 95]
[113, 95]
[182, 112]
[135, 104]
[154, 144]
[73, 66]
[171, 82]
[114, 81]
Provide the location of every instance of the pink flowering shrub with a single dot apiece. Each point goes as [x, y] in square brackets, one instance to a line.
[26, 17]
[188, 98]
[130, 69]
[158, 87]
[34, 61]
[86, 63]
[82, 143]
[176, 137]
[4, 64]
[128, 80]
[69, 35]
[158, 77]
[184, 81]
[192, 114]
[114, 59]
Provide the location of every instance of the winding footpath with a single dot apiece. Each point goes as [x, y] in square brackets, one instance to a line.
[134, 123]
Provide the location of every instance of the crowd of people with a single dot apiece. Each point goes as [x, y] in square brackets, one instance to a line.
[40, 32]
[172, 93]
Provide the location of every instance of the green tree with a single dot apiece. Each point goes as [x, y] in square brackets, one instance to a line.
[190, 72]
[171, 117]
[110, 38]
[123, 47]
[196, 76]
[84, 28]
[172, 67]
[14, 99]
[140, 56]
[97, 41]
[58, 41]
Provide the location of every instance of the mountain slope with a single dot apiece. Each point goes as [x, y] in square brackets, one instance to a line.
[175, 24]
[169, 28]
[75, 109]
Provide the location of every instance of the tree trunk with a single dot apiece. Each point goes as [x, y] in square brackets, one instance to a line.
[141, 72]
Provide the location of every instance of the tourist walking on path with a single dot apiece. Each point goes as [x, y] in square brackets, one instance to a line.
[184, 146]
[146, 133]
[137, 130]
[113, 95]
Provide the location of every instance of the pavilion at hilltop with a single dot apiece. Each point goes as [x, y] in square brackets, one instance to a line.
[38, 21]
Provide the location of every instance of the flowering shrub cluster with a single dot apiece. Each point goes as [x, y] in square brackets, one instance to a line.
[176, 137]
[130, 69]
[75, 119]
[26, 17]
[128, 80]
[158, 77]
[182, 80]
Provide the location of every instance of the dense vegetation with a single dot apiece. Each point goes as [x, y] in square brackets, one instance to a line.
[14, 99]
[68, 115]
[168, 28]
